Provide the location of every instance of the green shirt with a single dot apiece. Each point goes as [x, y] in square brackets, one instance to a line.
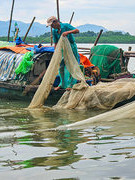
[63, 28]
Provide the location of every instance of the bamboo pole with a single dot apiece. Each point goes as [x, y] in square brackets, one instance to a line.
[16, 34]
[71, 18]
[96, 41]
[35, 82]
[130, 55]
[58, 14]
[85, 53]
[127, 59]
[121, 60]
[10, 19]
[28, 29]
[83, 48]
[129, 52]
[58, 17]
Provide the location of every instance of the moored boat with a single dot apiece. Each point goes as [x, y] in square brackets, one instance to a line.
[14, 85]
[21, 71]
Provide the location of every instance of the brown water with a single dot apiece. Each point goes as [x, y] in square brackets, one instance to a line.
[31, 149]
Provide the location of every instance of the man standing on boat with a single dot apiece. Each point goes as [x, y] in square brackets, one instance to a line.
[64, 29]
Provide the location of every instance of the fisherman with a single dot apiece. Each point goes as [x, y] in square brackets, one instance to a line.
[64, 29]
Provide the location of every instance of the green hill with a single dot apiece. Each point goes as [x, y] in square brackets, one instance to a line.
[86, 37]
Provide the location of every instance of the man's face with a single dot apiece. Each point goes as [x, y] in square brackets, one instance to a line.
[55, 24]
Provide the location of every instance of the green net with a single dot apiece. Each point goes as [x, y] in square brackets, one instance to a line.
[25, 64]
[107, 59]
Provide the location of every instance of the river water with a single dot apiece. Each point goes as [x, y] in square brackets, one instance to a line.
[31, 148]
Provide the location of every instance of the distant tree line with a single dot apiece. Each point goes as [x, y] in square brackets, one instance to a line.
[86, 37]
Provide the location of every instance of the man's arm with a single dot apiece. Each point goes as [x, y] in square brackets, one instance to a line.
[69, 32]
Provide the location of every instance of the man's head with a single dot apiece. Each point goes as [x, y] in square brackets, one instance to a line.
[53, 22]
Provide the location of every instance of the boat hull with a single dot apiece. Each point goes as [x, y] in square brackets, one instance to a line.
[17, 94]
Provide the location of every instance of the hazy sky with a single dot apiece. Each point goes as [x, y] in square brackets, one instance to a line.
[112, 14]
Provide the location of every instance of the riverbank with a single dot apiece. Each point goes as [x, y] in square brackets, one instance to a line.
[87, 37]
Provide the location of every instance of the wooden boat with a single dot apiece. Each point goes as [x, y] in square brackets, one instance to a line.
[25, 88]
[17, 89]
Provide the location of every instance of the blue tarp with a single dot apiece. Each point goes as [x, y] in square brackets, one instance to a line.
[41, 49]
[19, 41]
[9, 61]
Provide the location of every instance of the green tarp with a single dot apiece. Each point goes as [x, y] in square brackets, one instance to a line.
[107, 59]
[26, 63]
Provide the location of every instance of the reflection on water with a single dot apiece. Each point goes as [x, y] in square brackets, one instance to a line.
[30, 145]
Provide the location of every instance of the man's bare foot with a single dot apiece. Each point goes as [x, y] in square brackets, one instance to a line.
[57, 88]
[68, 89]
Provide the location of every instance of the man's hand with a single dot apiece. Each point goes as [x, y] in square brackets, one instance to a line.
[65, 34]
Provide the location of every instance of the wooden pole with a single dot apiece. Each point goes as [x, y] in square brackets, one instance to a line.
[35, 82]
[28, 29]
[121, 60]
[10, 19]
[127, 59]
[58, 17]
[16, 34]
[71, 18]
[51, 37]
[96, 41]
[58, 14]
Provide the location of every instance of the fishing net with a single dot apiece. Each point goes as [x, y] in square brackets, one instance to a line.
[63, 48]
[100, 96]
[107, 58]
[124, 112]
[82, 96]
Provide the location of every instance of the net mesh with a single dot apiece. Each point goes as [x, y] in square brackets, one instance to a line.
[100, 96]
[82, 96]
[124, 112]
[107, 58]
[63, 48]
